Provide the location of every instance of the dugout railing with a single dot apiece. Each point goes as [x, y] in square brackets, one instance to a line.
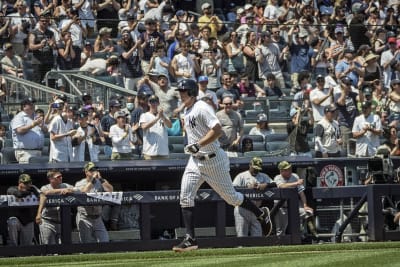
[146, 200]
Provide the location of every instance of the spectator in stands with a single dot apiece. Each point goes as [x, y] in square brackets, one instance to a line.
[185, 65]
[328, 138]
[141, 106]
[272, 89]
[235, 54]
[262, 128]
[249, 88]
[372, 70]
[104, 42]
[20, 222]
[206, 93]
[86, 141]
[246, 223]
[204, 38]
[320, 97]
[268, 56]
[60, 11]
[73, 24]
[154, 124]
[366, 130]
[380, 96]
[346, 101]
[350, 68]
[48, 218]
[11, 63]
[391, 140]
[61, 131]
[251, 67]
[86, 13]
[66, 53]
[245, 28]
[40, 113]
[106, 122]
[209, 19]
[287, 179]
[3, 132]
[27, 134]
[338, 44]
[227, 89]
[301, 53]
[122, 137]
[358, 31]
[42, 43]
[22, 22]
[389, 58]
[168, 97]
[298, 128]
[211, 66]
[232, 125]
[149, 40]
[159, 62]
[394, 104]
[88, 218]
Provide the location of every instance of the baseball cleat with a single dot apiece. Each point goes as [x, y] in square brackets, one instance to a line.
[265, 221]
[187, 244]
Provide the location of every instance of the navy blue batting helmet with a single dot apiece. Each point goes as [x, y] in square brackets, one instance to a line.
[189, 85]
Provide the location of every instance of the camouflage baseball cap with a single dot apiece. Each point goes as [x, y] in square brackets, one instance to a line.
[90, 166]
[256, 163]
[284, 165]
[25, 178]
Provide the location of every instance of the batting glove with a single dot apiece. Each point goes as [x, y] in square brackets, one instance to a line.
[192, 148]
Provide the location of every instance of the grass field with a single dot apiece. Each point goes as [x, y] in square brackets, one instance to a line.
[349, 254]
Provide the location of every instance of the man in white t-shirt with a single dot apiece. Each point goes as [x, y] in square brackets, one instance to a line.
[320, 98]
[155, 135]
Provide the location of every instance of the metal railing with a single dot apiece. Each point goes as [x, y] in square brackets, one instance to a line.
[101, 88]
[18, 89]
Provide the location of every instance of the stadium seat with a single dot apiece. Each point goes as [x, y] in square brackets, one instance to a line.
[276, 137]
[8, 155]
[247, 127]
[276, 145]
[41, 159]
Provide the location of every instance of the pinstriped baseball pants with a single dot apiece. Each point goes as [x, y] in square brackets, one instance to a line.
[50, 232]
[214, 172]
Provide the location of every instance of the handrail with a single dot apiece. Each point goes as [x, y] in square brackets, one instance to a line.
[34, 85]
[64, 74]
[103, 83]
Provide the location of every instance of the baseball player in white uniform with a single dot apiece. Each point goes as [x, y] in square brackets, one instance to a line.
[208, 163]
[246, 223]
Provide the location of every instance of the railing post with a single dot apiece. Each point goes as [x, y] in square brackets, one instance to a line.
[66, 228]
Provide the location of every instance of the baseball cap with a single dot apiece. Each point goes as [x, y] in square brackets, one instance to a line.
[28, 101]
[87, 107]
[256, 163]
[154, 98]
[366, 104]
[83, 114]
[395, 81]
[265, 34]
[125, 29]
[59, 101]
[284, 165]
[105, 30]
[239, 11]
[339, 29]
[130, 16]
[348, 50]
[153, 73]
[367, 91]
[115, 103]
[162, 75]
[248, 6]
[119, 114]
[330, 108]
[205, 5]
[320, 76]
[7, 46]
[25, 178]
[346, 80]
[150, 21]
[392, 40]
[86, 96]
[203, 79]
[262, 117]
[180, 12]
[90, 166]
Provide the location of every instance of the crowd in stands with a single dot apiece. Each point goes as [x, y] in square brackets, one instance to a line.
[336, 62]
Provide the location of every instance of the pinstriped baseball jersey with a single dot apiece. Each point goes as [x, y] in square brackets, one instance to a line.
[199, 120]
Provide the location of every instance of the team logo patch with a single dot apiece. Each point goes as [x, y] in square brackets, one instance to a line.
[331, 176]
[138, 197]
